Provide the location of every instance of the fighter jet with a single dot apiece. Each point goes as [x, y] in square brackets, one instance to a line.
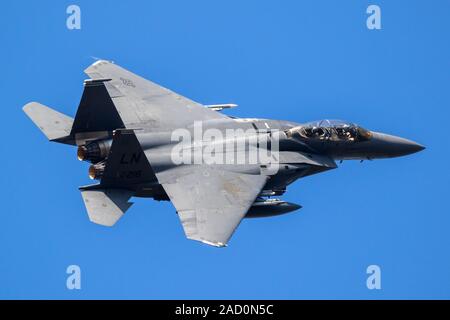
[142, 141]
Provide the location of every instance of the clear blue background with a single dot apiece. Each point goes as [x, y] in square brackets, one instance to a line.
[292, 60]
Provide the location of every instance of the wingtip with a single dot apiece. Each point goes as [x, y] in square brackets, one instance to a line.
[28, 106]
[101, 61]
[214, 244]
[92, 67]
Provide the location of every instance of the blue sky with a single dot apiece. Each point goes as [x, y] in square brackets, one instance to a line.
[291, 60]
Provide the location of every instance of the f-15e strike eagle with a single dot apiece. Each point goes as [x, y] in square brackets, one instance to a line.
[130, 129]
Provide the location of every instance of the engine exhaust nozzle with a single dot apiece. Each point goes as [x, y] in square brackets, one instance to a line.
[95, 151]
[96, 171]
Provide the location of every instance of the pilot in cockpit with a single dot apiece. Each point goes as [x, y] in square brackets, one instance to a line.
[334, 130]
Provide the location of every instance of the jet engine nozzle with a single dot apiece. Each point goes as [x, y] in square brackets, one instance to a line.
[96, 171]
[95, 151]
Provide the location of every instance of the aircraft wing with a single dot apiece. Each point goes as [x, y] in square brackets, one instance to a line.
[210, 202]
[141, 102]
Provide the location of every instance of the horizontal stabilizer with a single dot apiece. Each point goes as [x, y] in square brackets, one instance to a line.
[106, 206]
[53, 124]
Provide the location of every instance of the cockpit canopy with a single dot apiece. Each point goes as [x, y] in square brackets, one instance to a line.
[330, 130]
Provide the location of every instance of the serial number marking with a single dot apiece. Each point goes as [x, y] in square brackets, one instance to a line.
[130, 174]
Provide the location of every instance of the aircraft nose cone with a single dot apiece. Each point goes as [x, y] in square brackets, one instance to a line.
[404, 147]
[396, 146]
[416, 147]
